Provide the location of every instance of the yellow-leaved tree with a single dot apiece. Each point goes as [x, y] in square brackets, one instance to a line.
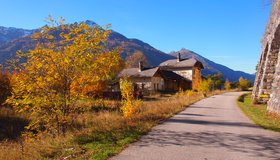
[243, 84]
[69, 63]
[205, 86]
[129, 104]
[227, 85]
[5, 88]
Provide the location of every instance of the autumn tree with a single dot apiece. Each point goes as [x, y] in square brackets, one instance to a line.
[227, 85]
[5, 87]
[205, 86]
[217, 81]
[133, 60]
[243, 84]
[68, 63]
[129, 104]
[234, 85]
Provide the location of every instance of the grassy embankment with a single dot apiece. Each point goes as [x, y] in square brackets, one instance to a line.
[258, 113]
[99, 133]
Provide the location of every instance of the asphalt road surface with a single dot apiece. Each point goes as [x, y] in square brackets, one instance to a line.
[211, 129]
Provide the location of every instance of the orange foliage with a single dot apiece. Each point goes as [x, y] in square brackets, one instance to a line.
[63, 69]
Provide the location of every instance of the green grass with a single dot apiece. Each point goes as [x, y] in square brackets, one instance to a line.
[258, 113]
[102, 145]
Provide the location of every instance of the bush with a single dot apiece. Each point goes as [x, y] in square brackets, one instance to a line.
[5, 87]
[227, 85]
[243, 84]
[205, 86]
[129, 104]
[241, 98]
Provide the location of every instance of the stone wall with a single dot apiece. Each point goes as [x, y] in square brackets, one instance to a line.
[267, 82]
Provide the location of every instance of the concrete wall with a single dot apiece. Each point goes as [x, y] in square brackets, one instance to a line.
[267, 82]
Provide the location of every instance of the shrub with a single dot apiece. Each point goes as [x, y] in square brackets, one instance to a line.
[129, 104]
[205, 86]
[241, 98]
[5, 87]
[227, 85]
[129, 108]
[190, 93]
[243, 84]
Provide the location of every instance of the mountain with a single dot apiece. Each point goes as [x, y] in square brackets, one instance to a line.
[213, 68]
[19, 41]
[13, 39]
[8, 34]
[130, 46]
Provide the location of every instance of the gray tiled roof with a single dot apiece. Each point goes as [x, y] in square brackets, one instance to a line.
[134, 72]
[183, 63]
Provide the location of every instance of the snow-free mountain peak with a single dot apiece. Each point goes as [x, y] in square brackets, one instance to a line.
[14, 39]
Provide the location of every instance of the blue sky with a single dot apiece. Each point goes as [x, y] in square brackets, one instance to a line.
[225, 31]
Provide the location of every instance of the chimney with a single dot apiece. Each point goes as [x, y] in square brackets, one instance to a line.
[178, 57]
[140, 67]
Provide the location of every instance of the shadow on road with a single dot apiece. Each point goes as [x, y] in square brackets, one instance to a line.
[259, 146]
[191, 114]
[203, 107]
[201, 122]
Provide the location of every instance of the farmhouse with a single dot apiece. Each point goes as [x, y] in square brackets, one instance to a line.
[144, 79]
[190, 69]
[171, 75]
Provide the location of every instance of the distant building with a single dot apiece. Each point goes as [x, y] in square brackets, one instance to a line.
[171, 75]
[144, 79]
[187, 68]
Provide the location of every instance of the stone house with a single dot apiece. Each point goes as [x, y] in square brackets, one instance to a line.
[144, 79]
[174, 82]
[172, 75]
[267, 82]
[190, 69]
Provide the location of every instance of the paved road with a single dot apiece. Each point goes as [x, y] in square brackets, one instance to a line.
[211, 129]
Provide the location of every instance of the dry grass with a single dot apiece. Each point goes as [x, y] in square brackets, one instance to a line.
[42, 148]
[11, 124]
[101, 131]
